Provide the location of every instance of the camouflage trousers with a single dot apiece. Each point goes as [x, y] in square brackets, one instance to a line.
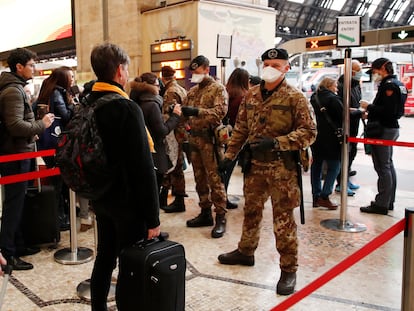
[175, 178]
[282, 187]
[209, 185]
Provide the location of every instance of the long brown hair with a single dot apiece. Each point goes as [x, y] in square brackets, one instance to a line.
[238, 83]
[59, 77]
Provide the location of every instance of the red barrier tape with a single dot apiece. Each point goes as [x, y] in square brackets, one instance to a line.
[383, 142]
[28, 176]
[342, 266]
[27, 155]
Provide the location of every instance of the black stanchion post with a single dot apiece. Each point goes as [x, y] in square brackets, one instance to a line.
[407, 298]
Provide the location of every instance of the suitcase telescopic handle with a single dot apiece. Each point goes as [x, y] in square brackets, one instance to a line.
[7, 271]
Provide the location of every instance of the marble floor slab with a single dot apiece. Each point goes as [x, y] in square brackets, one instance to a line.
[373, 283]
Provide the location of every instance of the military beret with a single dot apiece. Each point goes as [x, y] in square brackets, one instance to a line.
[167, 71]
[200, 60]
[275, 54]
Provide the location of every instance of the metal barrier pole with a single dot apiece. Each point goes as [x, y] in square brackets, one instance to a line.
[74, 255]
[342, 224]
[407, 299]
[83, 290]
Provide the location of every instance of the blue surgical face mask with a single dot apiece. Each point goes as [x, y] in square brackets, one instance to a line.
[357, 76]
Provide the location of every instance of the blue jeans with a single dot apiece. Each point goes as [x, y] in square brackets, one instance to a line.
[13, 205]
[333, 167]
[384, 166]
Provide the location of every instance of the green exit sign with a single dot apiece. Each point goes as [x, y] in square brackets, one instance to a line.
[401, 35]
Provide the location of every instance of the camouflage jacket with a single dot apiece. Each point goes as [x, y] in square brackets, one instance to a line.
[285, 115]
[211, 98]
[175, 94]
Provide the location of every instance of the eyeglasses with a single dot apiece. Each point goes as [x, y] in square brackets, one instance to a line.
[33, 65]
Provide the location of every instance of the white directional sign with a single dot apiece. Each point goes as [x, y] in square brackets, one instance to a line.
[348, 31]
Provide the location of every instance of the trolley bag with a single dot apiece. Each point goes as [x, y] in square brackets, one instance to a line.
[152, 276]
[40, 224]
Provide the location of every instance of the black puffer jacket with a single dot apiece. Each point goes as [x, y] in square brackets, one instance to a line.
[146, 95]
[326, 145]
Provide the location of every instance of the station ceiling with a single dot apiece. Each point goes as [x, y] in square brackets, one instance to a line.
[308, 18]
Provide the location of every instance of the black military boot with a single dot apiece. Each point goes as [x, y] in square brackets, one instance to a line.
[177, 206]
[236, 258]
[286, 284]
[163, 197]
[220, 226]
[204, 219]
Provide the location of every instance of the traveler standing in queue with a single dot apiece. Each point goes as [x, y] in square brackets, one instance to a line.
[327, 147]
[174, 94]
[55, 96]
[274, 118]
[384, 112]
[144, 91]
[206, 106]
[129, 210]
[19, 130]
[355, 115]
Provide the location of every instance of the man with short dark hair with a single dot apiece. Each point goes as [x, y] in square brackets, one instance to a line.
[384, 112]
[206, 106]
[129, 210]
[274, 120]
[19, 130]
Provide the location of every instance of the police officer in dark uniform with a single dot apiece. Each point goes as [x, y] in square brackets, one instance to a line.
[384, 112]
[274, 120]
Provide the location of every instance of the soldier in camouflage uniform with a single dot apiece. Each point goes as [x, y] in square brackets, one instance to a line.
[174, 94]
[274, 120]
[206, 106]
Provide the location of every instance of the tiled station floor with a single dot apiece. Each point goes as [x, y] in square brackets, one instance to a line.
[374, 283]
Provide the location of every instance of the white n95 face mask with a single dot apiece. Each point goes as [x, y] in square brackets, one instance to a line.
[270, 74]
[197, 77]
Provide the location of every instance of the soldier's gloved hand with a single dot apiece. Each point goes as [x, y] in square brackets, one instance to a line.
[189, 111]
[224, 165]
[264, 144]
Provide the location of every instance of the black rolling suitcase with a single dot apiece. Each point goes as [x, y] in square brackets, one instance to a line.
[152, 277]
[40, 223]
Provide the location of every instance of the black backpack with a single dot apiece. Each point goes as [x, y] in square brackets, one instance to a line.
[80, 153]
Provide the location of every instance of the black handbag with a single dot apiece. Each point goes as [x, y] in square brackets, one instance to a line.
[338, 131]
[373, 129]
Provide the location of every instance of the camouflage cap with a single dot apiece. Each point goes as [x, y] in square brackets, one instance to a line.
[275, 54]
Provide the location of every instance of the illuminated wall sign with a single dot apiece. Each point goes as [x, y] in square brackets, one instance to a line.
[175, 53]
[317, 64]
[318, 44]
[171, 46]
[401, 35]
